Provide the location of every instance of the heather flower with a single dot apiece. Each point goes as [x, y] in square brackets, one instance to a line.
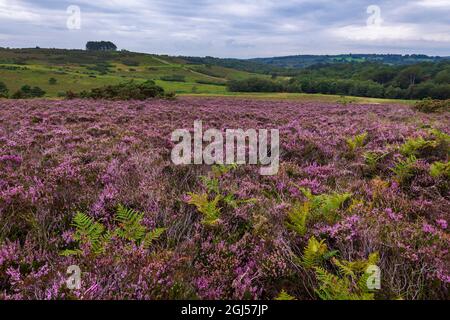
[427, 228]
[442, 224]
[392, 215]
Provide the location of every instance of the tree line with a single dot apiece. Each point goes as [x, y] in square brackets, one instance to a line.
[418, 81]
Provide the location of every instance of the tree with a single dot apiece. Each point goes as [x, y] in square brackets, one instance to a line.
[443, 77]
[409, 76]
[3, 90]
[101, 46]
[52, 81]
[383, 75]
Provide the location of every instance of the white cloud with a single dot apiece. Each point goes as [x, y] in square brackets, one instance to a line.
[14, 10]
[434, 3]
[400, 32]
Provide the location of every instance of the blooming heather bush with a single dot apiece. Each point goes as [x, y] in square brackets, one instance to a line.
[229, 233]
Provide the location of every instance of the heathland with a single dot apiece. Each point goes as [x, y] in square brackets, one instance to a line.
[90, 183]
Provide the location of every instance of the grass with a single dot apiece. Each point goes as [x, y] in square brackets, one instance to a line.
[303, 97]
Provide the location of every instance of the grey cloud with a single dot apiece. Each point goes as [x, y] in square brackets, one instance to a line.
[230, 28]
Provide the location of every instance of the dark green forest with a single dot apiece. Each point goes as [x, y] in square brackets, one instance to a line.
[367, 79]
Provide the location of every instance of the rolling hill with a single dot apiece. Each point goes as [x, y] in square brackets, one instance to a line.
[78, 70]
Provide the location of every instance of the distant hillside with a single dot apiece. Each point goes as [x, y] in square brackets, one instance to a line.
[78, 70]
[253, 66]
[302, 61]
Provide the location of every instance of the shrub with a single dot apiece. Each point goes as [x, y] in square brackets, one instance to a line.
[130, 63]
[430, 106]
[52, 81]
[124, 91]
[174, 78]
[27, 92]
[3, 90]
[211, 82]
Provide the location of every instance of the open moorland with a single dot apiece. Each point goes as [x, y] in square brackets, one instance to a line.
[91, 183]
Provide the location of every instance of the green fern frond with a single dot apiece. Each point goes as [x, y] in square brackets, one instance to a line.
[70, 252]
[345, 268]
[89, 231]
[222, 169]
[152, 236]
[356, 142]
[130, 222]
[298, 217]
[209, 209]
[404, 169]
[313, 253]
[372, 159]
[356, 267]
[440, 169]
[211, 184]
[324, 206]
[284, 296]
[332, 287]
[414, 146]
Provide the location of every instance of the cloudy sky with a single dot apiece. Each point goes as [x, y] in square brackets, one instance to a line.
[232, 28]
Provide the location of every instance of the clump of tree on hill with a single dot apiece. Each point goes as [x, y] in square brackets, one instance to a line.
[124, 91]
[101, 46]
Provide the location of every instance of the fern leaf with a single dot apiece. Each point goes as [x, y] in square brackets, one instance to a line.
[152, 236]
[89, 231]
[130, 224]
[209, 209]
[314, 252]
[70, 252]
[298, 217]
[284, 296]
